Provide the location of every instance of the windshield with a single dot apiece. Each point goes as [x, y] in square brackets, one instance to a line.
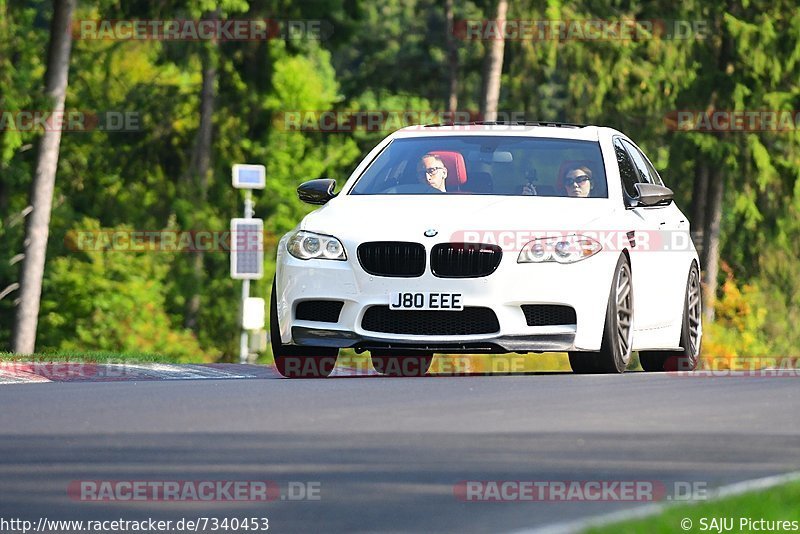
[486, 166]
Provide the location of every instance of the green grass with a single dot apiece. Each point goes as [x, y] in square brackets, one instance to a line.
[781, 503]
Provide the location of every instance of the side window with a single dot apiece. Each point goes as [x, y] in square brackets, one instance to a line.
[656, 179]
[651, 175]
[643, 173]
[626, 170]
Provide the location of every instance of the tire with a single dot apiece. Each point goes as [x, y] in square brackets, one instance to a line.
[691, 334]
[393, 363]
[583, 363]
[615, 349]
[293, 361]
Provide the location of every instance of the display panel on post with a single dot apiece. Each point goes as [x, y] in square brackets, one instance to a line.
[247, 249]
[247, 176]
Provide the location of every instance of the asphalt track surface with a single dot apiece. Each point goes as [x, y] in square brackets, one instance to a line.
[388, 452]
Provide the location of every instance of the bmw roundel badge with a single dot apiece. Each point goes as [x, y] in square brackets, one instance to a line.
[430, 232]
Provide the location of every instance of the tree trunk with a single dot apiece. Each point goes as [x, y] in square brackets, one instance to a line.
[38, 223]
[699, 199]
[711, 242]
[201, 163]
[715, 189]
[452, 59]
[494, 67]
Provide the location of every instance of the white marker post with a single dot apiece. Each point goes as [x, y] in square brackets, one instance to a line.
[247, 250]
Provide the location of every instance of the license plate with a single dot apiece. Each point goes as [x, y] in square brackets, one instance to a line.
[426, 301]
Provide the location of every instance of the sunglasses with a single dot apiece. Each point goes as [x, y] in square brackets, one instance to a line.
[577, 180]
[431, 170]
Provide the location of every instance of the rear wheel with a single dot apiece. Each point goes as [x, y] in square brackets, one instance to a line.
[393, 363]
[691, 334]
[615, 349]
[294, 361]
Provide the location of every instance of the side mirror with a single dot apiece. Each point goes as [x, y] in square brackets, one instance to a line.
[317, 191]
[653, 195]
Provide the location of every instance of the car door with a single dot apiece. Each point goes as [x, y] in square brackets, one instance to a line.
[678, 250]
[662, 223]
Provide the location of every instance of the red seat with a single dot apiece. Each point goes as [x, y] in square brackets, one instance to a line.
[456, 168]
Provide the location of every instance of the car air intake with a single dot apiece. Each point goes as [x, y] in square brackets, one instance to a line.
[548, 314]
[324, 311]
[465, 260]
[392, 258]
[469, 321]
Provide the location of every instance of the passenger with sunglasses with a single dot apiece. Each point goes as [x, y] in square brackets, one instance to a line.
[434, 172]
[578, 182]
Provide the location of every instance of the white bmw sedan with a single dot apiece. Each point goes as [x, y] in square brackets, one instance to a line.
[488, 238]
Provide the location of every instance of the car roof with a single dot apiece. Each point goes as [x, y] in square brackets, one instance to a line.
[555, 130]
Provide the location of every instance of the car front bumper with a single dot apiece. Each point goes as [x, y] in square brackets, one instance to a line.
[583, 285]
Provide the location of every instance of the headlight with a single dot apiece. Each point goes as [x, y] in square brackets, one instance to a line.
[565, 249]
[308, 246]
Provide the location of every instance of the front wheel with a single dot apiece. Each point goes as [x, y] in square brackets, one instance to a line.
[294, 361]
[615, 349]
[691, 334]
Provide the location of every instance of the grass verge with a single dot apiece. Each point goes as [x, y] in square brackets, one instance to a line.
[742, 513]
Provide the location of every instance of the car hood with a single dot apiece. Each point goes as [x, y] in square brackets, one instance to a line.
[408, 217]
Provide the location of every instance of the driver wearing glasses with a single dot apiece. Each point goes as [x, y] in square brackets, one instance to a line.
[578, 182]
[435, 173]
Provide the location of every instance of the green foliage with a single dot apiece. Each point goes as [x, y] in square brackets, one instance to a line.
[111, 301]
[300, 85]
[738, 328]
[387, 103]
[757, 319]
